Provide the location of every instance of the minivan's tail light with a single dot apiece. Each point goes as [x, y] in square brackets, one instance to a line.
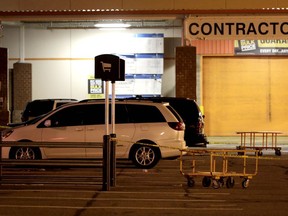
[180, 126]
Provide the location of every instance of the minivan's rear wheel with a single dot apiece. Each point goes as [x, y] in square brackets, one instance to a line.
[24, 153]
[145, 156]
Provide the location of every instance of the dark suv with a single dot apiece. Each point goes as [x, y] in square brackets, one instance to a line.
[41, 106]
[190, 112]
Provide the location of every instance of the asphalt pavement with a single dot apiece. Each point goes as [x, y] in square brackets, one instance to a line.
[162, 190]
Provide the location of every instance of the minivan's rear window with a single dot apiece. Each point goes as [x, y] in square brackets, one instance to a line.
[175, 113]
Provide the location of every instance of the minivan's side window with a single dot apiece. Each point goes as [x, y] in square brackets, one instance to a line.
[69, 116]
[121, 114]
[87, 114]
[145, 113]
[95, 114]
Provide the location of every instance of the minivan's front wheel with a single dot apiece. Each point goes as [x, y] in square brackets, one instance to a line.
[24, 153]
[145, 157]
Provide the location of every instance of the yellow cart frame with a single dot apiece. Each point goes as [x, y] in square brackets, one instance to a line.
[250, 137]
[216, 176]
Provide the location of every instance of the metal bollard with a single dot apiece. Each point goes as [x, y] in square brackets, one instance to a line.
[113, 160]
[106, 162]
[1, 171]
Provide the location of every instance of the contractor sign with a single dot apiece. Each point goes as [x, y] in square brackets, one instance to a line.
[236, 27]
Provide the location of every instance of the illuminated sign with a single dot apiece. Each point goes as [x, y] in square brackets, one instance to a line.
[95, 86]
[261, 47]
[241, 27]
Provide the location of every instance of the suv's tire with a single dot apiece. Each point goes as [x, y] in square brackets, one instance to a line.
[25, 153]
[145, 156]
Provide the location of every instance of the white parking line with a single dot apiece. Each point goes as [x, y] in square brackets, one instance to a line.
[112, 192]
[206, 208]
[113, 199]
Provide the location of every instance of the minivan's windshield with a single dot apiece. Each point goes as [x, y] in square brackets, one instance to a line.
[29, 122]
[34, 120]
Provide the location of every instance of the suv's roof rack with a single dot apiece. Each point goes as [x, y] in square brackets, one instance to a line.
[54, 99]
[100, 99]
[90, 100]
[120, 99]
[156, 98]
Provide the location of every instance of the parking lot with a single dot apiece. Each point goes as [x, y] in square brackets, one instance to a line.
[161, 190]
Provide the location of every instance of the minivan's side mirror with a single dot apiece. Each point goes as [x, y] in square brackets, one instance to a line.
[47, 123]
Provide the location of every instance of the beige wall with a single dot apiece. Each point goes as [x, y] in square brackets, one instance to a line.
[6, 5]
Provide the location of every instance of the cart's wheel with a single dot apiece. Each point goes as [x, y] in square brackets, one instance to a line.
[190, 182]
[278, 152]
[230, 182]
[245, 183]
[215, 184]
[240, 148]
[206, 182]
[221, 181]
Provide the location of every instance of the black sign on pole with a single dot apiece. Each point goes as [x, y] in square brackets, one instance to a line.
[109, 68]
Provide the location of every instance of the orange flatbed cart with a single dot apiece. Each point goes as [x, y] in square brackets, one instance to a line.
[221, 168]
[249, 141]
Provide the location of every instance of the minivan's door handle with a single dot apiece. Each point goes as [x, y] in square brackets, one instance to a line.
[78, 129]
[144, 128]
[90, 128]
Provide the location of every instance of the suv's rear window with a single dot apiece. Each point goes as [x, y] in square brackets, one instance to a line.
[145, 113]
[36, 108]
[187, 109]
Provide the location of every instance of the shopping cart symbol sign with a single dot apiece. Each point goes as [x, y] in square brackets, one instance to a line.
[109, 67]
[106, 66]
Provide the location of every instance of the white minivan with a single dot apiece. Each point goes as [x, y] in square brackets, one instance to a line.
[146, 131]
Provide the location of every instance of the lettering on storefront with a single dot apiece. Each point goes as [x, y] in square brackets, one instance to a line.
[261, 47]
[236, 28]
